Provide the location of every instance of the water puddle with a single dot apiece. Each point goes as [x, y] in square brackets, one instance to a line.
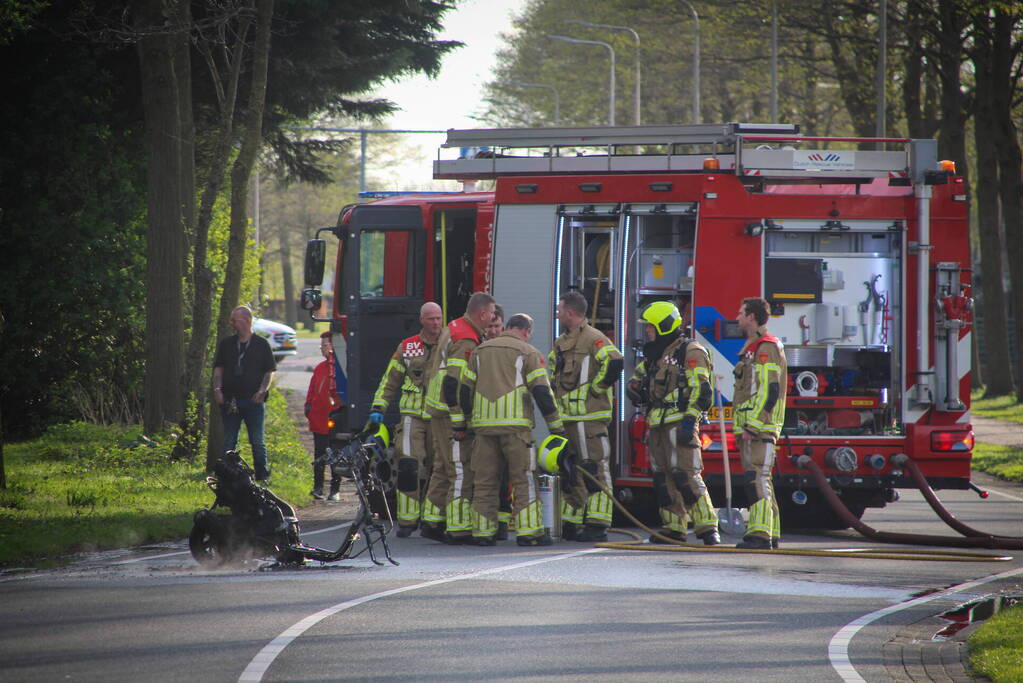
[974, 612]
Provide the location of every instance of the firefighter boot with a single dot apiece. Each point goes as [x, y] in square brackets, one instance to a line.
[667, 533]
[434, 532]
[502, 531]
[404, 531]
[592, 533]
[530, 541]
[754, 543]
[710, 537]
[569, 531]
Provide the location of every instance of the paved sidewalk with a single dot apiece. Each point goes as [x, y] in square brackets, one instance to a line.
[997, 432]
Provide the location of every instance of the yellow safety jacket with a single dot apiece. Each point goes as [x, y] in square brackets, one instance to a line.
[406, 372]
[761, 363]
[457, 342]
[498, 382]
[578, 367]
[674, 385]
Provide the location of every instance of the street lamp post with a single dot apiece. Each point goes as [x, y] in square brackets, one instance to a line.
[611, 80]
[696, 61]
[557, 97]
[635, 36]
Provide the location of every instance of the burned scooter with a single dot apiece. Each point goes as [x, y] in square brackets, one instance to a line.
[260, 524]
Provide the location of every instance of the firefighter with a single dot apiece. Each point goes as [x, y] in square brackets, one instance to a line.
[759, 401]
[583, 366]
[404, 378]
[448, 516]
[503, 379]
[674, 381]
[494, 329]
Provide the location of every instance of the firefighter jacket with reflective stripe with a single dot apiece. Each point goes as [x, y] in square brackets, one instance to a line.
[406, 373]
[578, 367]
[463, 336]
[761, 364]
[499, 379]
[673, 388]
[435, 406]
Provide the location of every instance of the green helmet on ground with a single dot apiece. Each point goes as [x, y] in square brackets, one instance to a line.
[664, 316]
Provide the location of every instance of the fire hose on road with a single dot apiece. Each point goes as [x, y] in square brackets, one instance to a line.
[672, 545]
[971, 538]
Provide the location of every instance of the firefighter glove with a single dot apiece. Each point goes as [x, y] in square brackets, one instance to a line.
[688, 425]
[376, 417]
[632, 390]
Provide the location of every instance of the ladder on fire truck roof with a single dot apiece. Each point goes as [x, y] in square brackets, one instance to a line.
[769, 151]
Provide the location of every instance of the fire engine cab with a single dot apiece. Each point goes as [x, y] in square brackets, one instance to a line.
[861, 247]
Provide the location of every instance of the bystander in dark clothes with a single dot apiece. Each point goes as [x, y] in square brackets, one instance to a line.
[242, 371]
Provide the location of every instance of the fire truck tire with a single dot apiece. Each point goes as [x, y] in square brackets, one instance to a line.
[643, 506]
[814, 514]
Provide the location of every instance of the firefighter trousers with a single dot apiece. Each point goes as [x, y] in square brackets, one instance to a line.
[758, 457]
[678, 481]
[415, 460]
[449, 494]
[494, 454]
[593, 451]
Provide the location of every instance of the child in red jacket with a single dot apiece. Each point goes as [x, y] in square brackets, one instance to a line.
[321, 399]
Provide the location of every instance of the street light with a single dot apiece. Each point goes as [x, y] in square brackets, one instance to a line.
[611, 80]
[635, 36]
[696, 61]
[557, 97]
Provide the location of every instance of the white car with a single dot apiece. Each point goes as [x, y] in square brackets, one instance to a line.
[283, 340]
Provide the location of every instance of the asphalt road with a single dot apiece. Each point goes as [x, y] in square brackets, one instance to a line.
[569, 612]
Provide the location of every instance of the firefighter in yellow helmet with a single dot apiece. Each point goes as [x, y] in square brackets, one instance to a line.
[759, 400]
[404, 379]
[674, 380]
[505, 376]
[583, 366]
[449, 494]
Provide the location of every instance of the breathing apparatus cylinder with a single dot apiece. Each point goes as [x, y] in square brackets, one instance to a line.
[550, 504]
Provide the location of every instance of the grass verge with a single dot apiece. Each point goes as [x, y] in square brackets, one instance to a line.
[999, 407]
[82, 487]
[996, 647]
[1004, 462]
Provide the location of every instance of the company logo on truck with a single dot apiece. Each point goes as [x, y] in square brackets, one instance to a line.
[824, 160]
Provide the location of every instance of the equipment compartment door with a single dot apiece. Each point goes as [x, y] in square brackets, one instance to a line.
[383, 282]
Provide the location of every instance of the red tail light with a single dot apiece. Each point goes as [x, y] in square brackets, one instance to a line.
[951, 441]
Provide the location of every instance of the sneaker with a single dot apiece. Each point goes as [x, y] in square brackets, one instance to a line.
[432, 532]
[754, 543]
[404, 531]
[484, 540]
[317, 494]
[667, 533]
[710, 537]
[334, 497]
[592, 533]
[531, 541]
[502, 531]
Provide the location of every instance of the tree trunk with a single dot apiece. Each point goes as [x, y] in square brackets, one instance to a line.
[165, 245]
[954, 105]
[287, 275]
[241, 172]
[1010, 163]
[992, 296]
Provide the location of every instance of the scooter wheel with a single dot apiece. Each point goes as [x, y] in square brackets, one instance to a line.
[208, 541]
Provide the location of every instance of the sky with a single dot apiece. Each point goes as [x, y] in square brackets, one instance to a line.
[451, 99]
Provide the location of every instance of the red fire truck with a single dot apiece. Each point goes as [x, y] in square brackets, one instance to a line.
[860, 245]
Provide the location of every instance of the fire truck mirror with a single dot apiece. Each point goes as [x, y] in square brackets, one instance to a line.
[315, 258]
[311, 300]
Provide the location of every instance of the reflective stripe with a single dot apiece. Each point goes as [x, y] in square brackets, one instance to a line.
[585, 454]
[406, 437]
[408, 508]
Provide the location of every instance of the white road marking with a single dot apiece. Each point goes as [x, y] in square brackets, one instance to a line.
[838, 648]
[259, 665]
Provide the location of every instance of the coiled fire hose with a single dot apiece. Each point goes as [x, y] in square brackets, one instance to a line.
[672, 545]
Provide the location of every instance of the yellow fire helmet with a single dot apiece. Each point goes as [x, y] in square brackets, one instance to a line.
[549, 452]
[378, 430]
[664, 316]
